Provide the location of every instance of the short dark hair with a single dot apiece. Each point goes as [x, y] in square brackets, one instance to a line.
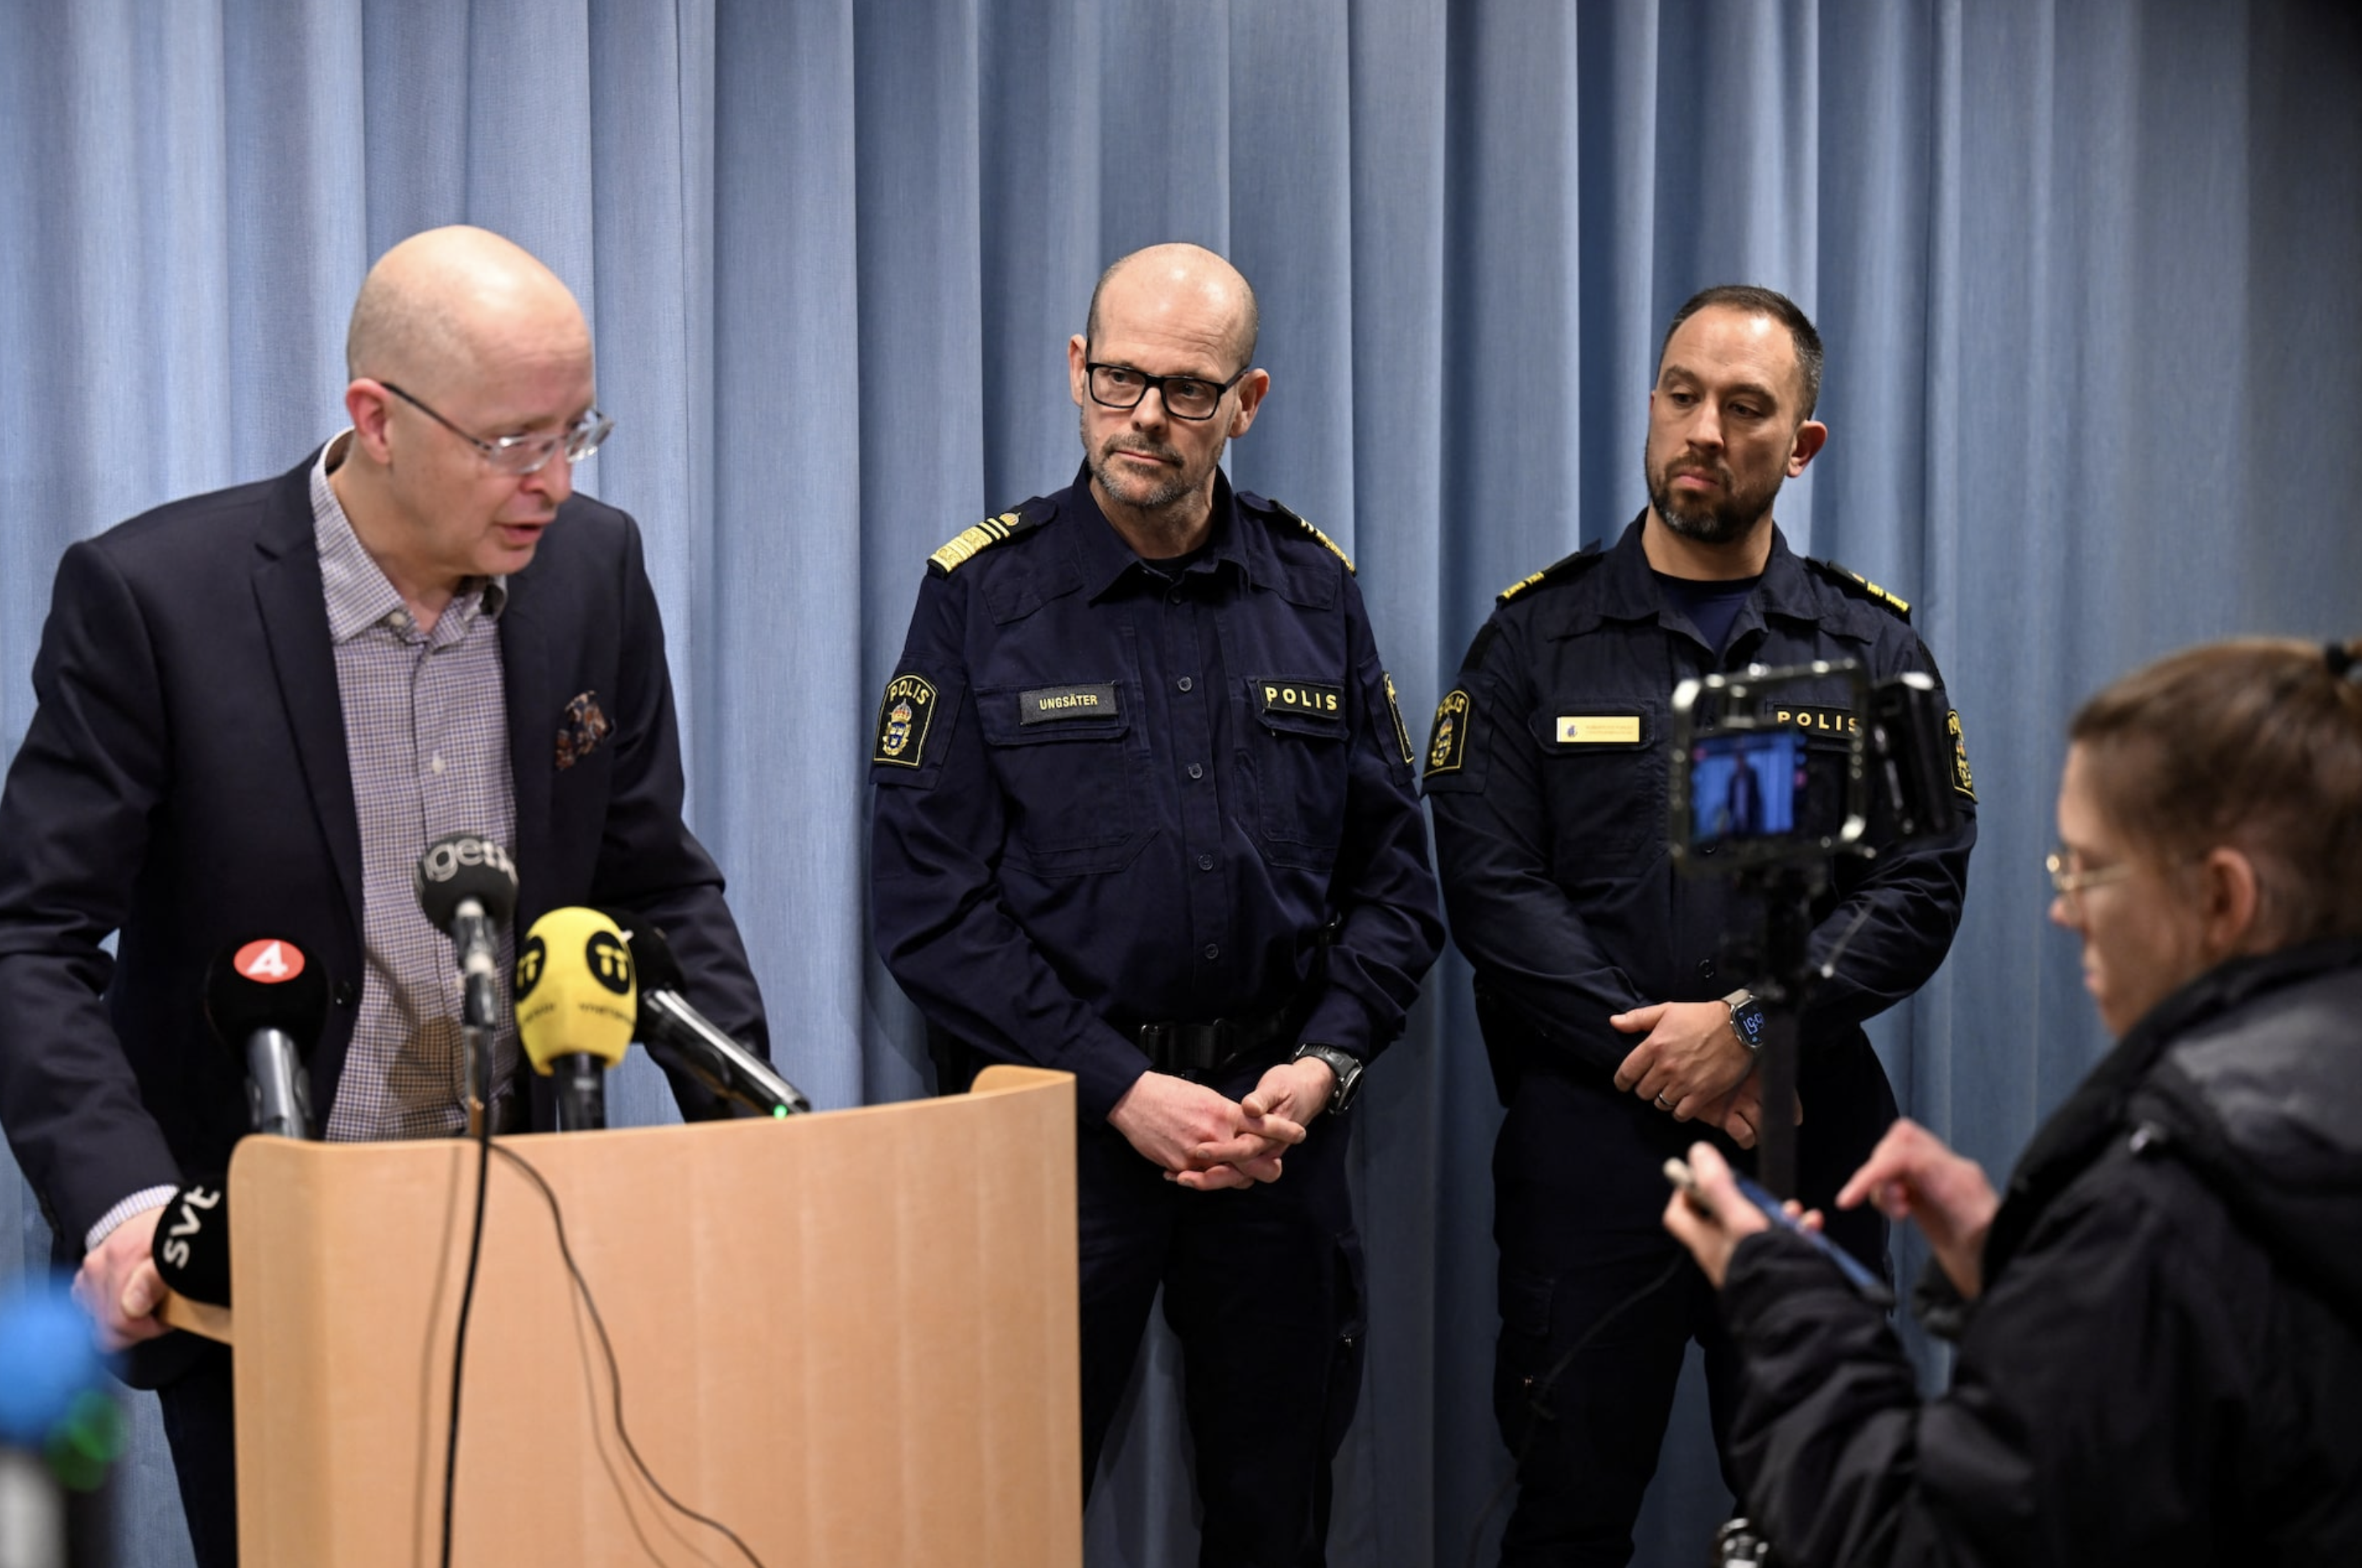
[1755, 300]
[2255, 743]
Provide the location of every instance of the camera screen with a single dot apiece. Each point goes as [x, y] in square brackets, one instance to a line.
[1746, 784]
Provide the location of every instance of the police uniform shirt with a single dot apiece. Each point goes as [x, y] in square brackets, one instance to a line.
[1110, 795]
[1547, 772]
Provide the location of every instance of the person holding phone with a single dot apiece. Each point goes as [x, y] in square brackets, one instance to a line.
[2161, 1359]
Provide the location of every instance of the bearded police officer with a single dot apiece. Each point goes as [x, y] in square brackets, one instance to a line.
[1614, 1037]
[1145, 814]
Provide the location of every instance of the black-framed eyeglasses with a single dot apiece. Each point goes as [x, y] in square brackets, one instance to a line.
[1185, 397]
[522, 455]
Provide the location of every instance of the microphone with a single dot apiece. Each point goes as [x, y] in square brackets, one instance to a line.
[682, 1037]
[574, 1009]
[191, 1243]
[264, 997]
[467, 886]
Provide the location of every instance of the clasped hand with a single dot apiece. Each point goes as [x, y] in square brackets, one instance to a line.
[1692, 1066]
[1207, 1142]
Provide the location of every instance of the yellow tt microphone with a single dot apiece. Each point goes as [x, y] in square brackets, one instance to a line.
[576, 1003]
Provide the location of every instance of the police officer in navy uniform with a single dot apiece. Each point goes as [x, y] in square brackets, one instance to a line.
[1145, 813]
[1615, 1035]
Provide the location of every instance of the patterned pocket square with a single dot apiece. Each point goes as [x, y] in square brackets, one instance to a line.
[584, 728]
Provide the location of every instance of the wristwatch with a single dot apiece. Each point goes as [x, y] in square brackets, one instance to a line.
[1745, 1019]
[1345, 1064]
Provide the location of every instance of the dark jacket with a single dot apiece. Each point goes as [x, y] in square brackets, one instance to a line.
[184, 784]
[2165, 1363]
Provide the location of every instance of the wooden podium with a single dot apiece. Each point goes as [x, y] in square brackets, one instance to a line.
[850, 1337]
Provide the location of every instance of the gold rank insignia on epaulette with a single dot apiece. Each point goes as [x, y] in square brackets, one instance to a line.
[974, 541]
[1314, 535]
[1853, 582]
[1564, 565]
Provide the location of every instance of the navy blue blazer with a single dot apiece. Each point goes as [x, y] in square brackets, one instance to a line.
[184, 783]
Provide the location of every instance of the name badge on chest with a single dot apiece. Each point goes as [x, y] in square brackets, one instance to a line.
[1599, 729]
[1048, 704]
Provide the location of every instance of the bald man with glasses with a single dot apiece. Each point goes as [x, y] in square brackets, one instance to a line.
[1145, 814]
[258, 708]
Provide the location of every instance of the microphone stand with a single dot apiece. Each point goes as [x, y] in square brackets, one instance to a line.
[478, 1014]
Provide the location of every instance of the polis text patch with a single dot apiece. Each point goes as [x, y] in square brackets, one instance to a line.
[1301, 697]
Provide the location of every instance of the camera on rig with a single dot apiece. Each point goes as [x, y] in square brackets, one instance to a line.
[1793, 766]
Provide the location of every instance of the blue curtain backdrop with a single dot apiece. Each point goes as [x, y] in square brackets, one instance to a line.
[2086, 269]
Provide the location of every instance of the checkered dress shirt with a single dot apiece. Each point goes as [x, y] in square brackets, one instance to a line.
[426, 734]
[427, 738]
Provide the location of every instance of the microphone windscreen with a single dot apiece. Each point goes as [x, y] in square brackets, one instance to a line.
[48, 1366]
[574, 988]
[462, 865]
[192, 1242]
[266, 983]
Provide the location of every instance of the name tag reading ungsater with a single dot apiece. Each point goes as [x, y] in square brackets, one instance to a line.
[1599, 729]
[1045, 703]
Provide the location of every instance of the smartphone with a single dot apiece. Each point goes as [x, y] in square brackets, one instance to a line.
[1867, 1285]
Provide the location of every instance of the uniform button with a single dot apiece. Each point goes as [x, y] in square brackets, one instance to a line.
[1705, 849]
[1213, 950]
[1197, 770]
[1705, 968]
[1185, 683]
[1205, 863]
[1174, 597]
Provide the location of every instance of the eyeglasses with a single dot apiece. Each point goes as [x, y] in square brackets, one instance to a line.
[522, 455]
[1185, 397]
[2067, 883]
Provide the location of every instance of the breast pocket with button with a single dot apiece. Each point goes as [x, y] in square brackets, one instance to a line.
[1604, 774]
[1297, 761]
[1069, 763]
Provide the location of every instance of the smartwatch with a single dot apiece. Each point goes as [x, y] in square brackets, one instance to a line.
[1745, 1019]
[1345, 1064]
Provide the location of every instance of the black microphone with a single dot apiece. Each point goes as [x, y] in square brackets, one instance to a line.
[267, 1002]
[192, 1242]
[680, 1037]
[467, 886]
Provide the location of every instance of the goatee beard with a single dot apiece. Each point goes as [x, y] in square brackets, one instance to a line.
[1725, 523]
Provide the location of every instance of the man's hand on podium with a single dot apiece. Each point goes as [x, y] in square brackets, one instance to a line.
[117, 1284]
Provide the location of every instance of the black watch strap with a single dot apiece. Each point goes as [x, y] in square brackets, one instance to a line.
[1345, 1064]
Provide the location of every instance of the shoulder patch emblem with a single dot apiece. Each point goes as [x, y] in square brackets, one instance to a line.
[902, 720]
[1402, 731]
[1963, 784]
[1861, 587]
[973, 542]
[1564, 567]
[1447, 743]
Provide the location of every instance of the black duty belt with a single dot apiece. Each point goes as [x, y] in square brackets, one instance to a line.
[1182, 1046]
